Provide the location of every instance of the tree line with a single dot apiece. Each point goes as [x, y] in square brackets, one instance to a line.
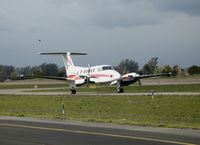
[125, 66]
[151, 67]
[11, 73]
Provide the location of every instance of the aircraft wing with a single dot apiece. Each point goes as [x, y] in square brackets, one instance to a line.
[131, 78]
[44, 77]
[152, 75]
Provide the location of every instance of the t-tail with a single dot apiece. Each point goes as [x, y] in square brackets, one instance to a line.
[68, 62]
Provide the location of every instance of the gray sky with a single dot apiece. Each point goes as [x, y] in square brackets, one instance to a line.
[108, 30]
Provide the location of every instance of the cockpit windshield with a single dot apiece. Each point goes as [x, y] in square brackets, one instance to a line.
[107, 68]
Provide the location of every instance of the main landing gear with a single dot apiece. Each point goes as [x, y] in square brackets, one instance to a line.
[73, 91]
[73, 88]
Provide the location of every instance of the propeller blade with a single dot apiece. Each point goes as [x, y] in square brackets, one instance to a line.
[88, 84]
[88, 77]
[139, 81]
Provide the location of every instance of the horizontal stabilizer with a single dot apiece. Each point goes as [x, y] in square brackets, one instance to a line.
[62, 53]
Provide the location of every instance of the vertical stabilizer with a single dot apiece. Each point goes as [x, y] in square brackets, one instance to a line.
[68, 62]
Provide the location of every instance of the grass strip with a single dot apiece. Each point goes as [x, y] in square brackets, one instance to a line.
[163, 111]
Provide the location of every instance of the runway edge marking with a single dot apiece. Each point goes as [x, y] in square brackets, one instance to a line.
[95, 133]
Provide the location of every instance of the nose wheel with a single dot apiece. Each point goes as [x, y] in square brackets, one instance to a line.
[120, 89]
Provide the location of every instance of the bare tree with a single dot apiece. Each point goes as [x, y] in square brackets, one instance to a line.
[127, 66]
[150, 67]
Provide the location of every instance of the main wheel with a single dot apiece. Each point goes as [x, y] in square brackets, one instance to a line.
[73, 91]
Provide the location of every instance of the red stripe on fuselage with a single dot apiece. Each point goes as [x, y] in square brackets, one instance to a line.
[100, 75]
[75, 77]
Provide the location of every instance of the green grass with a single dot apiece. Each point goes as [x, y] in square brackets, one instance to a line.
[165, 111]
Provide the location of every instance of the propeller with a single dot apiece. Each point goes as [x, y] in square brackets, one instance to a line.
[139, 81]
[88, 76]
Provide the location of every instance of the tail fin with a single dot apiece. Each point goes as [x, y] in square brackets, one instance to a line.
[68, 62]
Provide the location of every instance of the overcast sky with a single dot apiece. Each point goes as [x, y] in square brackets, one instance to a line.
[108, 30]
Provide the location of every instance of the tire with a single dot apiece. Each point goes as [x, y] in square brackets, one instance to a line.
[73, 91]
[120, 90]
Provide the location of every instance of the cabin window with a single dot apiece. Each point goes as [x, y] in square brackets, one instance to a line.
[107, 68]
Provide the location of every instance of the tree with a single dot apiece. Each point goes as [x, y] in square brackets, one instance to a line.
[146, 69]
[150, 67]
[153, 64]
[167, 68]
[7, 72]
[127, 66]
[194, 70]
[61, 72]
[2, 73]
[49, 69]
[41, 70]
[176, 70]
[25, 70]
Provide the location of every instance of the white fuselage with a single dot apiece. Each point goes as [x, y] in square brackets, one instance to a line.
[82, 75]
[96, 74]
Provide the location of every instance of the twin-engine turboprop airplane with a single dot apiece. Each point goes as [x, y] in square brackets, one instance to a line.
[78, 76]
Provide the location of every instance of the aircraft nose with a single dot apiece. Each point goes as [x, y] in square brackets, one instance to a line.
[117, 75]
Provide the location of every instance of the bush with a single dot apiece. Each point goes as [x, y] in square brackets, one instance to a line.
[194, 70]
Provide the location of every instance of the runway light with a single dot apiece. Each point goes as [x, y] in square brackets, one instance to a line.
[63, 107]
[152, 94]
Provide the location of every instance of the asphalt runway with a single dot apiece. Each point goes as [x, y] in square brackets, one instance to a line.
[33, 91]
[36, 92]
[24, 131]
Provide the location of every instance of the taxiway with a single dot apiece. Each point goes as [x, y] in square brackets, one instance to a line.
[26, 131]
[50, 92]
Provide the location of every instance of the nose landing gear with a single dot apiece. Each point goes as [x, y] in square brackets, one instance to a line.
[119, 89]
